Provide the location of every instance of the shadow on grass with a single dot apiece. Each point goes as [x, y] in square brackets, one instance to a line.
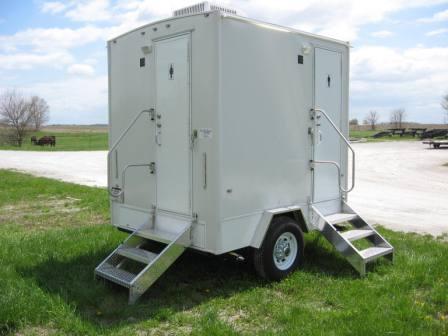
[192, 280]
[322, 259]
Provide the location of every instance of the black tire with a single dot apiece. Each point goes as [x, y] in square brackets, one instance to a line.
[263, 257]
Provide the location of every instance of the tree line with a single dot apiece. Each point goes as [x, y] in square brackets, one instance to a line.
[397, 116]
[21, 114]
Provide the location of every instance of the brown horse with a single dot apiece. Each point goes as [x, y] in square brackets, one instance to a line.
[47, 140]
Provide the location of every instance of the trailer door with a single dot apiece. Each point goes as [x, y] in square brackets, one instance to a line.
[173, 166]
[327, 143]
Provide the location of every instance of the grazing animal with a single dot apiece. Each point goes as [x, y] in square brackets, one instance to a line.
[34, 140]
[47, 140]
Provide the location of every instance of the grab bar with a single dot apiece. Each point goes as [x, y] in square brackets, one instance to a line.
[117, 142]
[335, 163]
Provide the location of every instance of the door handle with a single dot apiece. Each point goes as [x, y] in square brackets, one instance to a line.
[158, 135]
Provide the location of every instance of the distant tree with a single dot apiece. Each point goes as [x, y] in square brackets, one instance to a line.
[444, 104]
[15, 114]
[354, 122]
[397, 117]
[40, 112]
[372, 119]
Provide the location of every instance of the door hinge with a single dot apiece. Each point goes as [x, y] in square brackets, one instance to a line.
[152, 114]
[193, 138]
[152, 168]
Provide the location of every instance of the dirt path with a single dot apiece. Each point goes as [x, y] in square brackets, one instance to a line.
[401, 185]
[88, 168]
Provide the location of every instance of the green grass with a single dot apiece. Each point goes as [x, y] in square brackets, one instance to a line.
[368, 136]
[65, 141]
[53, 234]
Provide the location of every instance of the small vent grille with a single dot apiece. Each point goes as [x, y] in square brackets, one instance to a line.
[201, 8]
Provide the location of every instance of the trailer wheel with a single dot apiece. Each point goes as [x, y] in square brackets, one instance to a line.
[282, 250]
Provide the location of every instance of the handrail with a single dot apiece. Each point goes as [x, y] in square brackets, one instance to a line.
[338, 167]
[349, 147]
[117, 142]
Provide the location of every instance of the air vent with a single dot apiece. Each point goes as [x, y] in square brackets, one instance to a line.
[201, 8]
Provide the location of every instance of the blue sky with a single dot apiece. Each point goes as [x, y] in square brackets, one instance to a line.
[57, 49]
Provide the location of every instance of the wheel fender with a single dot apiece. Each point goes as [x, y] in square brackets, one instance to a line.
[267, 217]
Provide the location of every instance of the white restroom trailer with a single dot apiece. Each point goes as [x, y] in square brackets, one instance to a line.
[228, 133]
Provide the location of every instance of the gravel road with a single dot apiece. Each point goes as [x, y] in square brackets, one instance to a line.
[88, 168]
[401, 185]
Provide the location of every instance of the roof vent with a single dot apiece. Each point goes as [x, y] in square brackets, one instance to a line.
[201, 8]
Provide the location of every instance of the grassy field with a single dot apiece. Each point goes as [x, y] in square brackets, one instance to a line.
[66, 140]
[79, 138]
[368, 136]
[53, 234]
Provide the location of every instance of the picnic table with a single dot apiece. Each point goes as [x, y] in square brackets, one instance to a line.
[399, 131]
[416, 131]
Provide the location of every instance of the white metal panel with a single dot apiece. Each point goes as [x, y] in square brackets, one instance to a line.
[173, 124]
[327, 144]
[130, 92]
[249, 91]
[266, 95]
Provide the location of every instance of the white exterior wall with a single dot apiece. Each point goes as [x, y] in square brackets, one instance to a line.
[248, 88]
[132, 89]
[266, 97]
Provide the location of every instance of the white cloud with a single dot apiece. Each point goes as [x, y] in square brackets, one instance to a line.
[90, 11]
[80, 70]
[50, 39]
[413, 78]
[54, 7]
[437, 17]
[336, 18]
[75, 99]
[25, 61]
[437, 32]
[382, 33]
[307, 15]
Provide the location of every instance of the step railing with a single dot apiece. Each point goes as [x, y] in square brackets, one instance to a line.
[336, 164]
[116, 191]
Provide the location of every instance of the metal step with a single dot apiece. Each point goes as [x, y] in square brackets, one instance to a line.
[340, 218]
[155, 264]
[115, 274]
[353, 235]
[157, 235]
[341, 240]
[375, 252]
[136, 254]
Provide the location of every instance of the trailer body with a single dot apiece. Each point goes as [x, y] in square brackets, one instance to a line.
[220, 123]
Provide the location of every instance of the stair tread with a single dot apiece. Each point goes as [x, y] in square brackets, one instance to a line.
[156, 234]
[357, 234]
[340, 217]
[115, 274]
[375, 252]
[137, 254]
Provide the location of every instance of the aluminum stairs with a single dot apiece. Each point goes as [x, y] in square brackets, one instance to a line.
[353, 237]
[137, 263]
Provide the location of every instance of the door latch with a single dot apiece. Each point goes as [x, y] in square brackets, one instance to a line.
[152, 168]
